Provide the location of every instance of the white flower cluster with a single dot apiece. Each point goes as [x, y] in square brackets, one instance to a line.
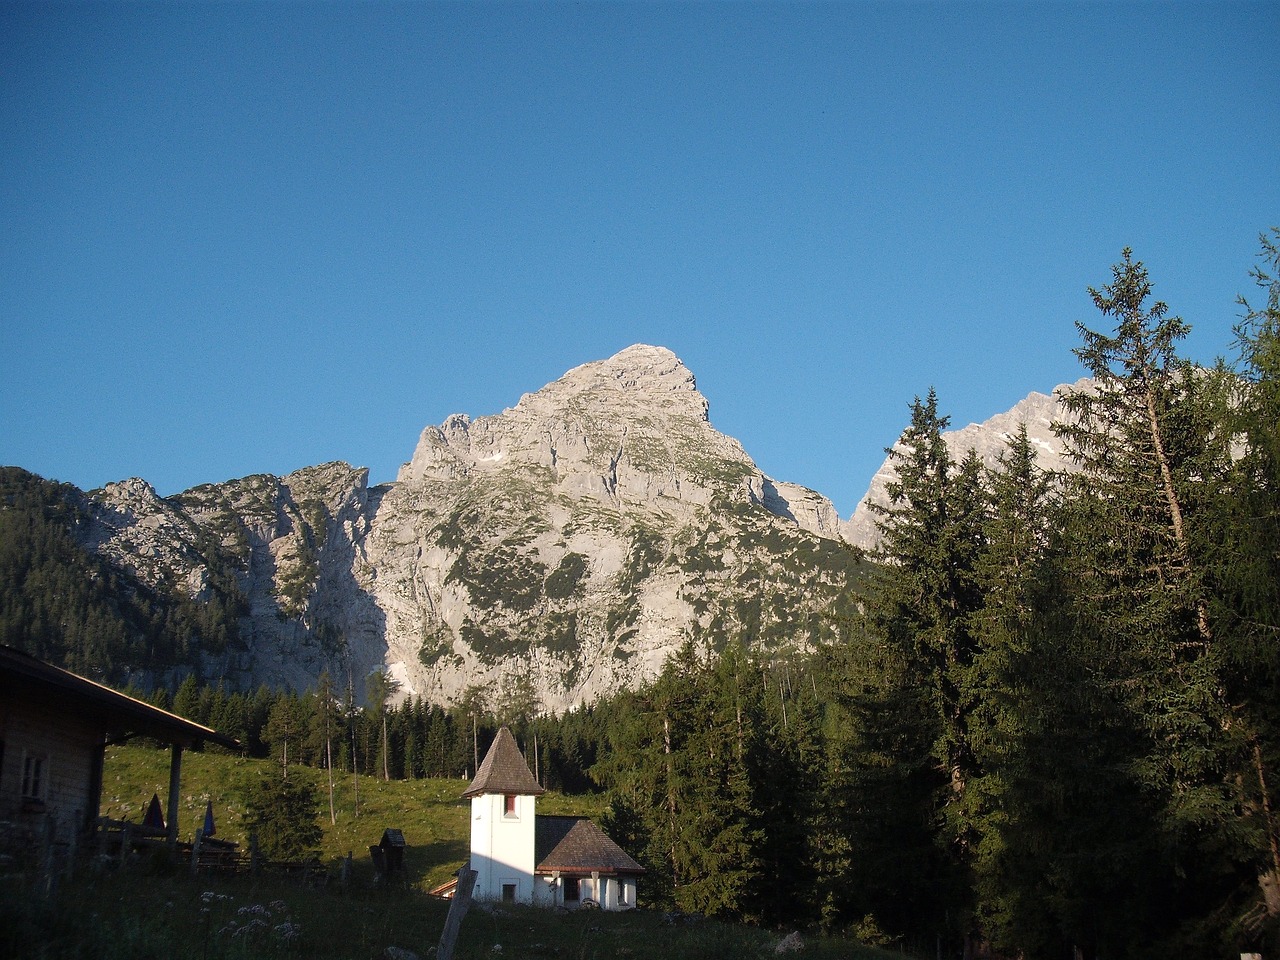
[255, 919]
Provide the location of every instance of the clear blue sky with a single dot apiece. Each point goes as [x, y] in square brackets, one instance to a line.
[248, 237]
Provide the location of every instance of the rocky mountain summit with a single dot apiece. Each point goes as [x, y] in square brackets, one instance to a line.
[555, 551]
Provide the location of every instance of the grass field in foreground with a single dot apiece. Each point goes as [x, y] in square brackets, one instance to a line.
[149, 912]
[155, 909]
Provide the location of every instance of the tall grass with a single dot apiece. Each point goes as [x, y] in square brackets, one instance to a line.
[152, 912]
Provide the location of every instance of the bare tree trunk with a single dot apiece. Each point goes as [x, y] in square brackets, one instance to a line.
[1269, 881]
[1175, 508]
[328, 762]
[671, 797]
[355, 771]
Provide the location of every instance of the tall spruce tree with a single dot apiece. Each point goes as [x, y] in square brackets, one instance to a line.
[1247, 561]
[916, 717]
[1013, 631]
[1148, 456]
[1053, 852]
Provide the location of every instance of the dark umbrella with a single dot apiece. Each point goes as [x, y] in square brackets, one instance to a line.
[208, 820]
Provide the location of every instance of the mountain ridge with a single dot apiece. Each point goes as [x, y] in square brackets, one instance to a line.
[553, 552]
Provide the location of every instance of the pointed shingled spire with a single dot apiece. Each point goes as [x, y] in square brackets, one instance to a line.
[504, 770]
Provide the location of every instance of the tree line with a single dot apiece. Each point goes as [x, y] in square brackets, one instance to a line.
[361, 731]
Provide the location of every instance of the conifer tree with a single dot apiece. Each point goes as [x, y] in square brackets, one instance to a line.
[914, 754]
[322, 728]
[1149, 456]
[380, 687]
[283, 731]
[186, 702]
[1247, 560]
[1012, 629]
[1053, 852]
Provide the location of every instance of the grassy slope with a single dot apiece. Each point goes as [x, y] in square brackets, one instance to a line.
[430, 813]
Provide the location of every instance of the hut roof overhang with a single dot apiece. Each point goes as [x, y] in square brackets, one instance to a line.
[576, 845]
[121, 716]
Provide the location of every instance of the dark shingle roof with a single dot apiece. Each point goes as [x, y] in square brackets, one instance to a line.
[504, 770]
[121, 716]
[576, 845]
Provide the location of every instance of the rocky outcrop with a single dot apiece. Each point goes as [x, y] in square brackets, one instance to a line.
[582, 535]
[990, 440]
[552, 552]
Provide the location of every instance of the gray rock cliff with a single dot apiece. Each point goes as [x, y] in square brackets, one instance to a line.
[553, 552]
[990, 440]
[559, 549]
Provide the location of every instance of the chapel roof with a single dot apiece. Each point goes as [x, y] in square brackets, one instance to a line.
[576, 845]
[504, 770]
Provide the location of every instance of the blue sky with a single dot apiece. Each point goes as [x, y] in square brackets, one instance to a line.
[249, 237]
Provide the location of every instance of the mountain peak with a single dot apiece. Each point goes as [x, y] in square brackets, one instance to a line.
[640, 371]
[634, 415]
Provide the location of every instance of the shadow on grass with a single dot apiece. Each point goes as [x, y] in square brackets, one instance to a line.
[426, 865]
[144, 914]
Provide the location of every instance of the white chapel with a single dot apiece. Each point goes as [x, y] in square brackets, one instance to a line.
[522, 857]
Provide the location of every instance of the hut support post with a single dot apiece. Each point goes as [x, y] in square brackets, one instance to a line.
[175, 785]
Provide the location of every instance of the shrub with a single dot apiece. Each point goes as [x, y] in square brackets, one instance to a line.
[285, 814]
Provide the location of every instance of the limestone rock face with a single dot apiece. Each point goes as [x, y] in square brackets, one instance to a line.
[538, 557]
[990, 439]
[630, 429]
[547, 554]
[285, 547]
[581, 536]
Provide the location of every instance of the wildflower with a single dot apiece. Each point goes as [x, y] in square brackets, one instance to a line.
[250, 927]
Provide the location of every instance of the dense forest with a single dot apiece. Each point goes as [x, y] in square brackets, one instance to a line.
[1053, 730]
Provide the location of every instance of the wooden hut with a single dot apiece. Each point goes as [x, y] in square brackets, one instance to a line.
[55, 727]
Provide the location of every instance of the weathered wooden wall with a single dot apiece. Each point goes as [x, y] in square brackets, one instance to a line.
[69, 743]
